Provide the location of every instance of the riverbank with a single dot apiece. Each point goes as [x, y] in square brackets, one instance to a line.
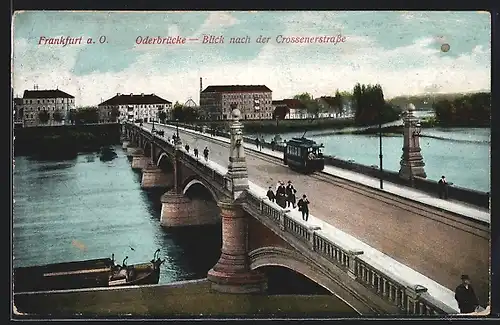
[64, 141]
[184, 299]
[272, 126]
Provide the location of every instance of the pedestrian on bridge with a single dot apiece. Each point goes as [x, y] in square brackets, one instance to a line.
[303, 205]
[465, 296]
[186, 147]
[443, 188]
[257, 143]
[290, 195]
[196, 152]
[205, 153]
[281, 195]
[270, 194]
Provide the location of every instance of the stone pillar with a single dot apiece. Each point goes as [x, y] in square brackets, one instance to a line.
[139, 161]
[153, 177]
[134, 151]
[232, 272]
[175, 210]
[412, 162]
[125, 144]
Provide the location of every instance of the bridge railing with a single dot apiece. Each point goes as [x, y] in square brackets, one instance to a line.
[411, 299]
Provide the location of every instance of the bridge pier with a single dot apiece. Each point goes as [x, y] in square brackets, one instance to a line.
[153, 177]
[134, 150]
[232, 273]
[175, 209]
[139, 161]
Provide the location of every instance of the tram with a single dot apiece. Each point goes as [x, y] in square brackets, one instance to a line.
[304, 155]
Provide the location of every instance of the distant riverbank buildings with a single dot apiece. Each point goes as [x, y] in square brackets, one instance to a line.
[43, 108]
[132, 107]
[254, 102]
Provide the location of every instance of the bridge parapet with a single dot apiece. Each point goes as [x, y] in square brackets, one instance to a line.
[409, 298]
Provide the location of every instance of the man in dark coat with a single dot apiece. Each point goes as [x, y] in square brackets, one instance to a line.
[443, 188]
[196, 152]
[281, 195]
[290, 194]
[270, 194]
[205, 153]
[304, 207]
[465, 296]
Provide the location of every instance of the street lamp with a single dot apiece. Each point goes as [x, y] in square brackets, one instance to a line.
[177, 128]
[380, 147]
[416, 132]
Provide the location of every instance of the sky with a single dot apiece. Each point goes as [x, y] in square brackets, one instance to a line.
[400, 50]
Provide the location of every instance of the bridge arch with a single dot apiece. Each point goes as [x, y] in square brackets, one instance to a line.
[190, 181]
[287, 258]
[146, 147]
[163, 155]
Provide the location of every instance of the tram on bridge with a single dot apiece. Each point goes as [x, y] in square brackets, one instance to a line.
[304, 155]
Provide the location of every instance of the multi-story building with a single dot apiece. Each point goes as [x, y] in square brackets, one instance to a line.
[295, 108]
[254, 102]
[46, 107]
[134, 107]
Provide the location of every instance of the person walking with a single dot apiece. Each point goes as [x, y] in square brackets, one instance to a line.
[465, 296]
[205, 153]
[196, 152]
[303, 205]
[270, 194]
[281, 195]
[443, 188]
[290, 195]
[186, 147]
[257, 142]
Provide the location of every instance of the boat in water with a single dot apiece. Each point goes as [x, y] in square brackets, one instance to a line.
[93, 273]
[107, 154]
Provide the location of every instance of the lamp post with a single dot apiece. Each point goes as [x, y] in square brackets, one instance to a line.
[416, 133]
[380, 147]
[177, 129]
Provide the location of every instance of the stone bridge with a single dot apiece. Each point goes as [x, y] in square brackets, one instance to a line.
[258, 233]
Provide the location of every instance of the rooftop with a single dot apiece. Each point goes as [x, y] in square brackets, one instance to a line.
[237, 88]
[132, 99]
[46, 94]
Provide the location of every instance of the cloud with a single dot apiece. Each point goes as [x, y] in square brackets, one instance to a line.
[215, 22]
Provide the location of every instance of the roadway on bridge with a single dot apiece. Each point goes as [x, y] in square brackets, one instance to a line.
[435, 243]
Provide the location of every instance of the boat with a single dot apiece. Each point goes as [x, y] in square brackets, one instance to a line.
[92, 273]
[107, 154]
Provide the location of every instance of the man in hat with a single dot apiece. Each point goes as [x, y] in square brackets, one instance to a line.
[290, 194]
[443, 188]
[303, 205]
[281, 195]
[465, 296]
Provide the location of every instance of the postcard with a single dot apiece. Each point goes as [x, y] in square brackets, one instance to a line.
[251, 164]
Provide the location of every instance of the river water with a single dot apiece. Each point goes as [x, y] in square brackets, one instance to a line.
[85, 208]
[461, 154]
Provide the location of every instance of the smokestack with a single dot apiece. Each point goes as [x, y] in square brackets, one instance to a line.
[201, 84]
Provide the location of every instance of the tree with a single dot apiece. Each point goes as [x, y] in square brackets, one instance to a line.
[309, 103]
[371, 107]
[43, 116]
[178, 113]
[339, 101]
[304, 97]
[280, 112]
[115, 113]
[162, 116]
[58, 117]
[86, 115]
[72, 116]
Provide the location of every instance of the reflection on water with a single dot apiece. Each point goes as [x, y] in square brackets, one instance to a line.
[101, 207]
[462, 154]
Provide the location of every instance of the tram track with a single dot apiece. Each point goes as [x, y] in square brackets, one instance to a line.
[454, 220]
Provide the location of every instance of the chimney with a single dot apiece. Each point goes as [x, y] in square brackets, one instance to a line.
[201, 84]
[118, 94]
[131, 94]
[142, 94]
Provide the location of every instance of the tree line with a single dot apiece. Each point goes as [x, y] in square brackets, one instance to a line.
[466, 110]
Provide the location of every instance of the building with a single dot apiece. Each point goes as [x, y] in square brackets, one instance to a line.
[133, 107]
[254, 102]
[295, 108]
[46, 107]
[330, 108]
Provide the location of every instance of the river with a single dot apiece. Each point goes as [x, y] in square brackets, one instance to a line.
[461, 154]
[85, 208]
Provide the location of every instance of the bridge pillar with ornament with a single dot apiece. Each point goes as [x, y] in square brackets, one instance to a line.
[176, 208]
[153, 176]
[412, 163]
[232, 273]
